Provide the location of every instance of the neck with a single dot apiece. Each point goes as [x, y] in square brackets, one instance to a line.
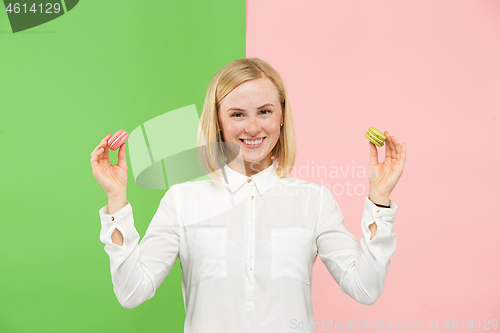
[249, 168]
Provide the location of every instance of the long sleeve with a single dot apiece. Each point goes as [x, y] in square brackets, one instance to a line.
[360, 271]
[138, 269]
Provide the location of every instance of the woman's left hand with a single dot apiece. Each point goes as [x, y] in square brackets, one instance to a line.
[384, 176]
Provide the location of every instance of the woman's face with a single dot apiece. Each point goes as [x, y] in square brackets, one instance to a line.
[250, 116]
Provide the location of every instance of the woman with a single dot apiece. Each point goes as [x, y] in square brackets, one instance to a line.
[247, 238]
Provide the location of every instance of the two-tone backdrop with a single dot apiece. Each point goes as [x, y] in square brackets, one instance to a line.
[427, 71]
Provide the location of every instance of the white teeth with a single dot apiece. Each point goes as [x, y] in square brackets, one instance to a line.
[253, 142]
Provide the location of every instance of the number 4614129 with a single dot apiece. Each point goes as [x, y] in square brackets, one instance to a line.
[49, 8]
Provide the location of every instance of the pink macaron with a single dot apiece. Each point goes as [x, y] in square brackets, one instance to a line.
[117, 139]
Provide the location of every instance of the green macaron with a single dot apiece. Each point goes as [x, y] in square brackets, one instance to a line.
[375, 136]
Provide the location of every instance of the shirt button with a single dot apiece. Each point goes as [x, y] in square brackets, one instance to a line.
[112, 218]
[250, 268]
[249, 180]
[252, 196]
[378, 211]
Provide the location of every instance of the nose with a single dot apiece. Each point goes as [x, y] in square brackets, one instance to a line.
[252, 126]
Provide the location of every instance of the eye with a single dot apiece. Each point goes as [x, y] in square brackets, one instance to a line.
[236, 114]
[268, 111]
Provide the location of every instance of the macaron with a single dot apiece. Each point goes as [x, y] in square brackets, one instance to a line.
[117, 139]
[375, 136]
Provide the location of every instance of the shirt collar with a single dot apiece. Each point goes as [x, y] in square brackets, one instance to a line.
[264, 180]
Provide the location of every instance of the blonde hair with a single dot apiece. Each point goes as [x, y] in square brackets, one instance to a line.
[211, 148]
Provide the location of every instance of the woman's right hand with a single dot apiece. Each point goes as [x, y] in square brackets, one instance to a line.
[112, 178]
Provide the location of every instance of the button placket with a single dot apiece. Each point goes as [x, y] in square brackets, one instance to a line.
[252, 248]
[249, 246]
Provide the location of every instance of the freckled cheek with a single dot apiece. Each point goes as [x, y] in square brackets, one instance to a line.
[276, 131]
[232, 130]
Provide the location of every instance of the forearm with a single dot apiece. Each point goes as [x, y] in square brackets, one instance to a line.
[373, 229]
[116, 202]
[131, 280]
[378, 198]
[117, 237]
[359, 271]
[364, 280]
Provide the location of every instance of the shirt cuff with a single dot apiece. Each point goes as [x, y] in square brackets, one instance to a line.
[383, 218]
[122, 220]
[118, 216]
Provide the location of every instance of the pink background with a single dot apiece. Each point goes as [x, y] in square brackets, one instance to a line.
[428, 72]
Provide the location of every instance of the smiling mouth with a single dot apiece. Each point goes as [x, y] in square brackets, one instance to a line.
[254, 142]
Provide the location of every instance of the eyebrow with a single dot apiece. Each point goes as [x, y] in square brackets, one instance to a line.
[260, 107]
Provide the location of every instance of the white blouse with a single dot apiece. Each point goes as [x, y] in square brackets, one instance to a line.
[247, 251]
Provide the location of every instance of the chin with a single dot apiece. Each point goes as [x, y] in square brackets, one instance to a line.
[252, 159]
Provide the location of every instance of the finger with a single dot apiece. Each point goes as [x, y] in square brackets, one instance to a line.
[94, 159]
[105, 154]
[393, 147]
[102, 143]
[96, 148]
[106, 138]
[373, 154]
[398, 148]
[105, 146]
[390, 144]
[388, 148]
[122, 158]
[94, 154]
[403, 154]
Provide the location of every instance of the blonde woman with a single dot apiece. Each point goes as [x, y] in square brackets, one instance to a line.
[247, 238]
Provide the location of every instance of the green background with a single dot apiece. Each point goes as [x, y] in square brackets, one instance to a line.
[65, 85]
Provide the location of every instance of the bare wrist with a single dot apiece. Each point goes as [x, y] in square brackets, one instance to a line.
[117, 194]
[379, 199]
[116, 203]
